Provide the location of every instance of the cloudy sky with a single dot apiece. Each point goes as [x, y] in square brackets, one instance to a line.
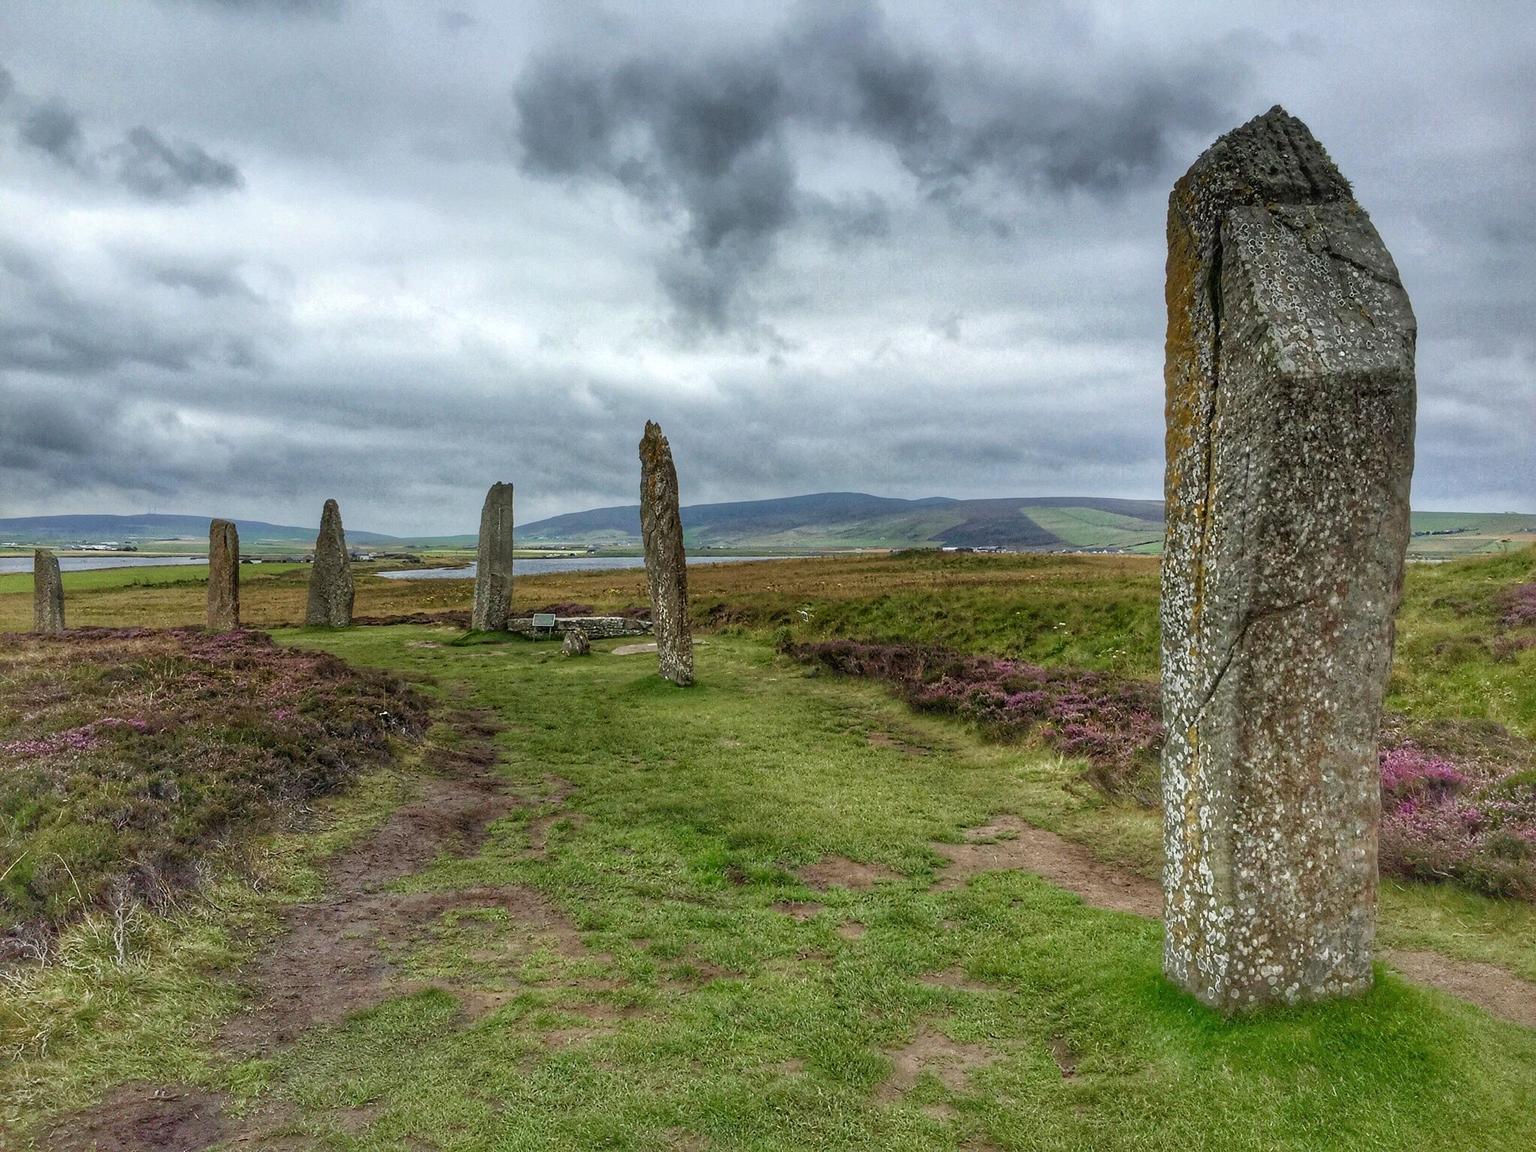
[254, 254]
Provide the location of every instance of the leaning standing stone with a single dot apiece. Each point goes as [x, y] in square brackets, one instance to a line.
[47, 592]
[576, 643]
[493, 571]
[223, 576]
[666, 564]
[1290, 404]
[330, 577]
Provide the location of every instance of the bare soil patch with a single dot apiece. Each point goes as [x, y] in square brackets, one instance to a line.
[801, 910]
[851, 930]
[886, 740]
[1500, 992]
[137, 1116]
[956, 979]
[1065, 1058]
[335, 956]
[1009, 843]
[931, 1051]
[841, 872]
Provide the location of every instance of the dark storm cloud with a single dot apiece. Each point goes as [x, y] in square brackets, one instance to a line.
[52, 128]
[161, 169]
[705, 138]
[143, 161]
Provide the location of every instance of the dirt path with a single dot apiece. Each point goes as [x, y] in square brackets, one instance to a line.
[331, 959]
[1009, 843]
[333, 956]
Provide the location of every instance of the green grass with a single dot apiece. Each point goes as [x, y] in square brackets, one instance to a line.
[1448, 665]
[736, 1026]
[1096, 528]
[697, 807]
[727, 1023]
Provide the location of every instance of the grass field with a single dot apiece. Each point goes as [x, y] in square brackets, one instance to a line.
[732, 938]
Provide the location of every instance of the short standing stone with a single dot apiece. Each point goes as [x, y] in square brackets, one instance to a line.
[1290, 404]
[47, 593]
[493, 571]
[666, 564]
[576, 643]
[330, 576]
[223, 576]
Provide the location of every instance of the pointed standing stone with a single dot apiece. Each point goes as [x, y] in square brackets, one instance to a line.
[493, 571]
[330, 576]
[666, 564]
[47, 593]
[223, 576]
[1290, 406]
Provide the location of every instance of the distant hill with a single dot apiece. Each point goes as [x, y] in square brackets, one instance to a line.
[151, 526]
[822, 521]
[1025, 523]
[857, 520]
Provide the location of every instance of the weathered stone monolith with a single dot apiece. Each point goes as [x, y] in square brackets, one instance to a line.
[493, 572]
[330, 576]
[1290, 408]
[47, 592]
[223, 576]
[666, 564]
[576, 643]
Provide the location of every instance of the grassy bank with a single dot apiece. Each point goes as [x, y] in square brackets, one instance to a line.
[740, 946]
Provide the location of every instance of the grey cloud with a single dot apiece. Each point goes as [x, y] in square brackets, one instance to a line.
[52, 327]
[933, 235]
[52, 128]
[280, 7]
[144, 161]
[705, 138]
[851, 219]
[159, 169]
[210, 281]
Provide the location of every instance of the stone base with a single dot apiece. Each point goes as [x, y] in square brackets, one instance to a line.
[596, 627]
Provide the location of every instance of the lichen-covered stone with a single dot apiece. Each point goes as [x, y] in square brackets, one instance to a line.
[576, 643]
[330, 576]
[47, 592]
[223, 576]
[493, 571]
[666, 563]
[1290, 408]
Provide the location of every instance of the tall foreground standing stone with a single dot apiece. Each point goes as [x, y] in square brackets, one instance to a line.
[666, 564]
[493, 571]
[47, 592]
[1290, 407]
[330, 576]
[223, 576]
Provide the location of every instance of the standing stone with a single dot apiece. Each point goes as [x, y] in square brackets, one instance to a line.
[47, 593]
[330, 576]
[493, 572]
[576, 643]
[223, 576]
[666, 564]
[1290, 407]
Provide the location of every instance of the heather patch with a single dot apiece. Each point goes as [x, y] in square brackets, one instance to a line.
[129, 757]
[1517, 606]
[1113, 723]
[1469, 820]
[1464, 812]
